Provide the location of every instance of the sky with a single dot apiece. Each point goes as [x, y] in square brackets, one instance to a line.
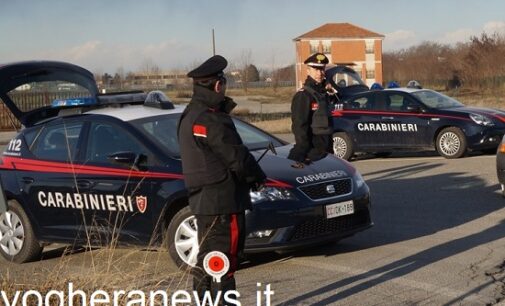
[107, 35]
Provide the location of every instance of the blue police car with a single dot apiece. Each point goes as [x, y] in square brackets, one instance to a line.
[98, 169]
[413, 119]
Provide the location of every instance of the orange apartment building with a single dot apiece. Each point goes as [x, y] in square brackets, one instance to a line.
[343, 44]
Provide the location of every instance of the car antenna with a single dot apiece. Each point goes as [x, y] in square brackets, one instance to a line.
[270, 147]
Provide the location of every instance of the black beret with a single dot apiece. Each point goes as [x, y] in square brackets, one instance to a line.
[317, 60]
[214, 66]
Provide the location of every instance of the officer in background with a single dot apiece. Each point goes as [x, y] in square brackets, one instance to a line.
[218, 171]
[311, 115]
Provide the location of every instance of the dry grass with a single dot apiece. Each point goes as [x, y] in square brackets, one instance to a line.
[106, 269]
[260, 95]
[480, 98]
[279, 126]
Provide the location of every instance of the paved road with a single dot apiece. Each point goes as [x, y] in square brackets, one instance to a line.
[438, 239]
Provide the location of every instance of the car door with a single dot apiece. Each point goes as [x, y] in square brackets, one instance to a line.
[118, 195]
[365, 113]
[47, 178]
[408, 126]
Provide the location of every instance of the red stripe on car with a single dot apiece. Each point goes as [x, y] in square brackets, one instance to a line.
[275, 183]
[17, 163]
[351, 112]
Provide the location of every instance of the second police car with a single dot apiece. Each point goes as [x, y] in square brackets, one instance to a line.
[412, 119]
[93, 169]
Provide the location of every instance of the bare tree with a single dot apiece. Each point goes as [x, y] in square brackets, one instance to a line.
[244, 63]
[275, 73]
[121, 76]
[478, 62]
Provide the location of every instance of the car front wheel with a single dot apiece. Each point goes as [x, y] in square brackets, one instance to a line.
[17, 240]
[451, 143]
[342, 146]
[183, 238]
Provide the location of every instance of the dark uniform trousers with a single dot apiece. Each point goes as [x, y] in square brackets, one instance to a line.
[224, 233]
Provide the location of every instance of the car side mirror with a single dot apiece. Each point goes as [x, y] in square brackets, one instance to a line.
[128, 158]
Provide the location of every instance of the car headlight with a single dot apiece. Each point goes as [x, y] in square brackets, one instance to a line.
[271, 194]
[481, 120]
[358, 179]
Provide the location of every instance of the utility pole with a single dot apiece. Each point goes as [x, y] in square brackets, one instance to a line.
[213, 43]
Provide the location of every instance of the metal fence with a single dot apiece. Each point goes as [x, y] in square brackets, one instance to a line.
[189, 86]
[26, 101]
[31, 100]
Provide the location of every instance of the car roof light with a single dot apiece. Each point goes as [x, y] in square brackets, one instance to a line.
[127, 97]
[83, 101]
[158, 99]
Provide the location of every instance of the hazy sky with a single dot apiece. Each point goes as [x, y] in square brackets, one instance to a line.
[107, 34]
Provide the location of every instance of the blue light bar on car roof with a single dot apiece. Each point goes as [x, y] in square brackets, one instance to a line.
[84, 101]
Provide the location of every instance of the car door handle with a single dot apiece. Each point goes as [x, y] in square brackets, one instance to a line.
[388, 118]
[27, 180]
[84, 184]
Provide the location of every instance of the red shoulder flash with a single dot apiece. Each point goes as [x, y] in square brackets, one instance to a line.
[314, 105]
[199, 130]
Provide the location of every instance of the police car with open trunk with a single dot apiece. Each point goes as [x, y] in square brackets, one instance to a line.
[98, 169]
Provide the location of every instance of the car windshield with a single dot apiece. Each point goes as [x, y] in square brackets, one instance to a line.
[163, 130]
[435, 99]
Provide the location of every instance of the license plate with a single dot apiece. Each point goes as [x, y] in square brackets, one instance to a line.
[339, 209]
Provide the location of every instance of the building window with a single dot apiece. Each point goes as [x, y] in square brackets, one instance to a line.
[369, 46]
[327, 46]
[370, 74]
[314, 46]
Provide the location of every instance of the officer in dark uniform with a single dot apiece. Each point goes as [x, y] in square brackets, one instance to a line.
[218, 171]
[311, 116]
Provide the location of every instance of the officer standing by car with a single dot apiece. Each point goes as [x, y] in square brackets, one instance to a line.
[310, 115]
[218, 172]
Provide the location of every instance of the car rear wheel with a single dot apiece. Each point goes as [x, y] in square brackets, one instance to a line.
[183, 238]
[17, 240]
[342, 146]
[451, 143]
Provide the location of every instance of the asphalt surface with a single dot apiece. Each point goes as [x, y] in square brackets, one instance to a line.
[438, 239]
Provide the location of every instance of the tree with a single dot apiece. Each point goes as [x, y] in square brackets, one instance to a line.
[106, 80]
[245, 62]
[119, 77]
[252, 73]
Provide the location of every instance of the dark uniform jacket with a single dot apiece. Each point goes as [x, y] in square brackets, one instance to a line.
[310, 115]
[218, 168]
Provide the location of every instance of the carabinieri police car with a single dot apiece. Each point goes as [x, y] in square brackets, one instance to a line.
[95, 169]
[413, 119]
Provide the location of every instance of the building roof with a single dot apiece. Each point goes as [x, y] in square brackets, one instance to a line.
[339, 30]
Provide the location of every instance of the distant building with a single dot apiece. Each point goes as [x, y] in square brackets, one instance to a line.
[343, 44]
[160, 80]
